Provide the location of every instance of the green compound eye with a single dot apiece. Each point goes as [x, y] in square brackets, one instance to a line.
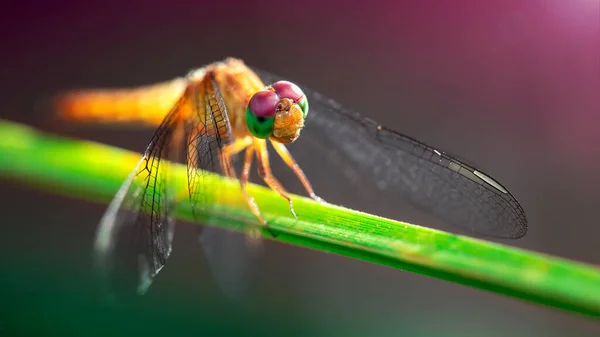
[260, 114]
[304, 106]
[259, 127]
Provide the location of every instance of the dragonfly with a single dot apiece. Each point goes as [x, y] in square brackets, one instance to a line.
[225, 109]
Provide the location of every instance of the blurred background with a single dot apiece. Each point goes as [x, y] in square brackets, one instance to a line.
[510, 85]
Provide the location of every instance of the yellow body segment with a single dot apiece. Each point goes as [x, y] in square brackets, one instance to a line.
[143, 105]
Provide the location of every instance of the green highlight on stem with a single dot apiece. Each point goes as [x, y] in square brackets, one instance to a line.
[93, 171]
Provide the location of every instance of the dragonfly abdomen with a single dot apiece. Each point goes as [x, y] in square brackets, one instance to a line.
[145, 105]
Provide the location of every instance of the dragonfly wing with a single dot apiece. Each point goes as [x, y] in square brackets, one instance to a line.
[227, 253]
[231, 260]
[134, 237]
[430, 179]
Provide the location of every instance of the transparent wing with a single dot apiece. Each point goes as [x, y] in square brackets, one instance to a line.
[208, 132]
[430, 179]
[135, 235]
[231, 260]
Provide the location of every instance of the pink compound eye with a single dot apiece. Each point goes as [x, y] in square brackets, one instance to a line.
[264, 103]
[289, 90]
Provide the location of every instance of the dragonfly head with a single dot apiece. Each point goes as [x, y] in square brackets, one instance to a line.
[278, 112]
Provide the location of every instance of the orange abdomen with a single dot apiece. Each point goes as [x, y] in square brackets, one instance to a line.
[148, 104]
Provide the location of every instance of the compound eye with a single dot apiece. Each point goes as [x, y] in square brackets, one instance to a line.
[286, 89]
[264, 103]
[289, 90]
[260, 114]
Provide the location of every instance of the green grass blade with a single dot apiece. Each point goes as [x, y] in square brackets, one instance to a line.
[94, 171]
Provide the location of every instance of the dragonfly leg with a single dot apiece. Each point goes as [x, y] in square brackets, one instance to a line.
[249, 199]
[291, 163]
[264, 170]
[230, 150]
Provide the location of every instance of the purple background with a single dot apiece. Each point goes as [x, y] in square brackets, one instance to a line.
[511, 85]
